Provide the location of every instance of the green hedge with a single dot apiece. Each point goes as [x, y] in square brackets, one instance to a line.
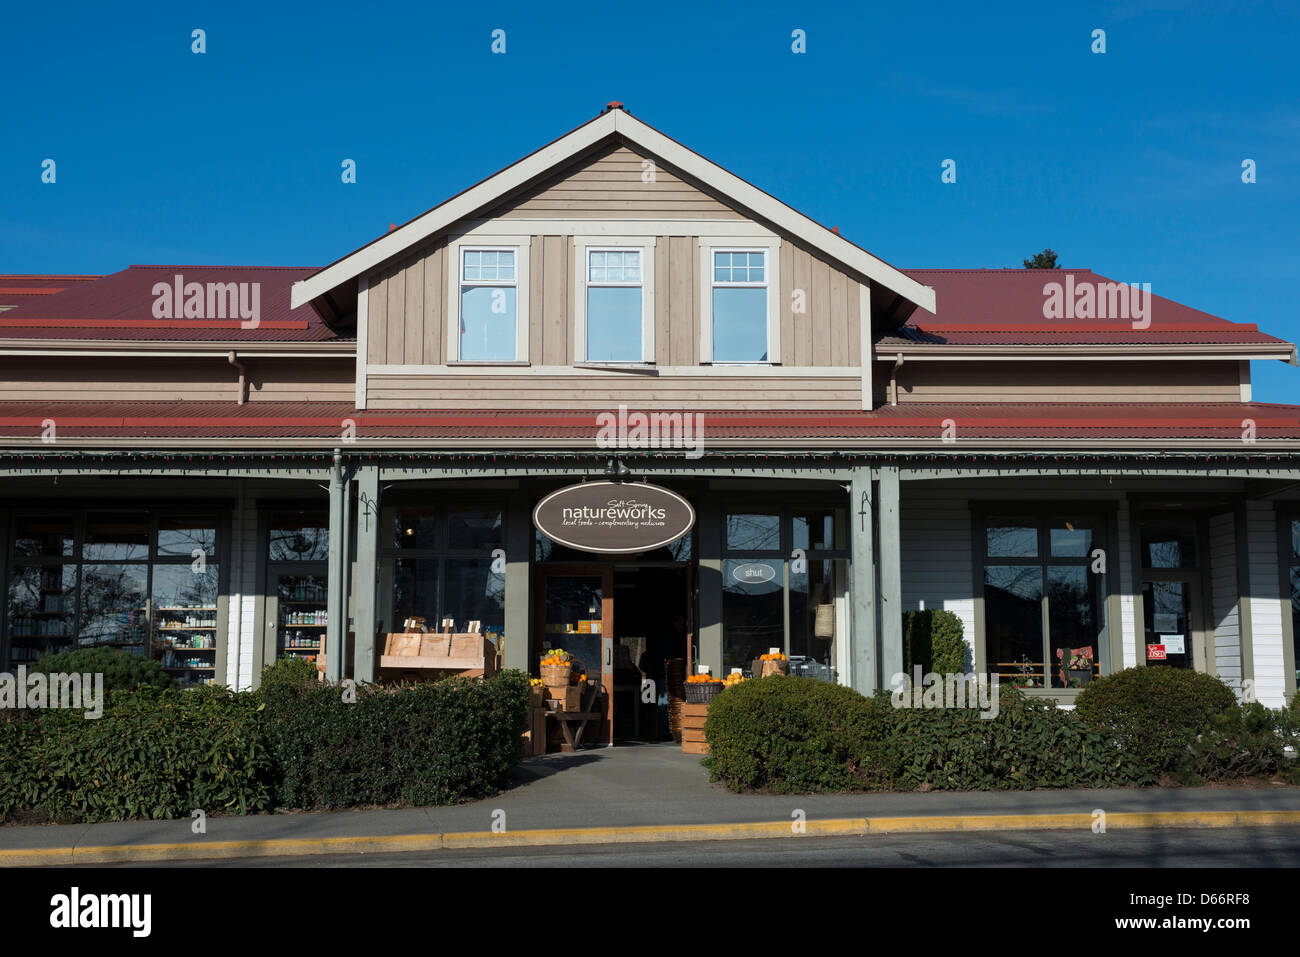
[153, 754]
[1029, 744]
[790, 735]
[121, 671]
[1154, 713]
[1245, 741]
[933, 640]
[431, 743]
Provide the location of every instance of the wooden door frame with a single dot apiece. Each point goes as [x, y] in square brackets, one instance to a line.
[605, 572]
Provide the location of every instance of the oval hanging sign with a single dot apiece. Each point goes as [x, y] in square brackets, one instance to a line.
[613, 518]
[753, 572]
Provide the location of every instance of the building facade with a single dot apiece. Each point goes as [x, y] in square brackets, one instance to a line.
[221, 466]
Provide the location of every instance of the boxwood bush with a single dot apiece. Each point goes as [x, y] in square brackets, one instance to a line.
[153, 754]
[422, 744]
[933, 640]
[1154, 713]
[122, 671]
[790, 735]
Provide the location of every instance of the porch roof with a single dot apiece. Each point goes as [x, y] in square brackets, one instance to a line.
[84, 424]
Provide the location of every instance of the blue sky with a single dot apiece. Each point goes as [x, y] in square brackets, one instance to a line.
[1128, 162]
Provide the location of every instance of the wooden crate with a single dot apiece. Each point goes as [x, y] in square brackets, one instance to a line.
[535, 736]
[691, 747]
[693, 717]
[566, 699]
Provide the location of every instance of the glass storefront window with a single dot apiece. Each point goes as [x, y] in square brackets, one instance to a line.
[181, 537]
[415, 591]
[814, 615]
[114, 607]
[46, 535]
[753, 610]
[1044, 620]
[753, 531]
[412, 528]
[474, 529]
[819, 529]
[42, 604]
[302, 536]
[116, 536]
[1168, 544]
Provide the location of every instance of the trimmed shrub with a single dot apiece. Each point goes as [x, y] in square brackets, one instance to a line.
[1030, 743]
[933, 640]
[423, 744]
[153, 754]
[1154, 713]
[121, 671]
[287, 674]
[790, 735]
[1246, 741]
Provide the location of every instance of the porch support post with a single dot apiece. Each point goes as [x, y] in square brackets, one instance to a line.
[862, 651]
[366, 575]
[891, 577]
[336, 602]
[519, 595]
[708, 628]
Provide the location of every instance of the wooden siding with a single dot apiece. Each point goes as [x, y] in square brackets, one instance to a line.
[162, 379]
[609, 185]
[1225, 620]
[1266, 603]
[500, 390]
[406, 310]
[1057, 380]
[677, 306]
[550, 306]
[829, 330]
[936, 558]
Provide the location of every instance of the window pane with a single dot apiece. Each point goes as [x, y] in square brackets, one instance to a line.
[184, 535]
[1013, 623]
[739, 325]
[1295, 541]
[1011, 538]
[1166, 613]
[1071, 538]
[411, 527]
[487, 322]
[43, 535]
[753, 613]
[116, 536]
[472, 529]
[1074, 622]
[178, 589]
[415, 591]
[754, 531]
[113, 606]
[473, 592]
[1168, 544]
[614, 324]
[299, 537]
[819, 528]
[813, 617]
[42, 601]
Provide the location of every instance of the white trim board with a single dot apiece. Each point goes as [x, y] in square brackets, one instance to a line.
[632, 369]
[363, 338]
[564, 149]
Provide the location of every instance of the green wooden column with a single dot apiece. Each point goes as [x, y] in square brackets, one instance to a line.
[336, 601]
[366, 574]
[891, 577]
[519, 570]
[708, 628]
[862, 674]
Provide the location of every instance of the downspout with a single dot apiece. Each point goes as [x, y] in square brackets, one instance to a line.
[893, 379]
[233, 359]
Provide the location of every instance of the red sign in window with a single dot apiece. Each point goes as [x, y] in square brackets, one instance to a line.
[1155, 652]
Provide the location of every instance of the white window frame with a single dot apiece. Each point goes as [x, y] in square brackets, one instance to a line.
[583, 246]
[772, 266]
[521, 246]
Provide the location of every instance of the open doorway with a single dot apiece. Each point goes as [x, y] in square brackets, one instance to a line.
[653, 614]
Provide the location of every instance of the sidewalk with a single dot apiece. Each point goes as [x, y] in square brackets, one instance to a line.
[636, 794]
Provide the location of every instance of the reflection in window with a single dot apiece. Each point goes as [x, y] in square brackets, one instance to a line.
[299, 537]
[1169, 544]
[1011, 538]
[43, 536]
[114, 606]
[184, 536]
[116, 536]
[753, 531]
[488, 304]
[753, 610]
[740, 290]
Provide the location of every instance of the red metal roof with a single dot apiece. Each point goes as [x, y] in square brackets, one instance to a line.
[121, 306]
[326, 421]
[1006, 307]
[18, 289]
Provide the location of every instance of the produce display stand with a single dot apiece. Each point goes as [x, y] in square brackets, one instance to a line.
[420, 654]
[573, 723]
[693, 717]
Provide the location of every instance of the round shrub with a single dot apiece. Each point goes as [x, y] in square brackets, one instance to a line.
[1154, 713]
[288, 675]
[122, 671]
[790, 735]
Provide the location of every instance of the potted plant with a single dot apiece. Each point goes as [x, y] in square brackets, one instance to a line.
[1076, 667]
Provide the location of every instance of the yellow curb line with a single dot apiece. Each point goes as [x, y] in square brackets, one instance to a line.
[645, 834]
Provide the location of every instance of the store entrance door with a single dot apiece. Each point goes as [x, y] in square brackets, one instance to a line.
[575, 611]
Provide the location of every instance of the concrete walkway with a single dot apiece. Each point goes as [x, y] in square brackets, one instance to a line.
[637, 793]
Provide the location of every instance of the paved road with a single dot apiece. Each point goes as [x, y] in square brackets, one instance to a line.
[1245, 847]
